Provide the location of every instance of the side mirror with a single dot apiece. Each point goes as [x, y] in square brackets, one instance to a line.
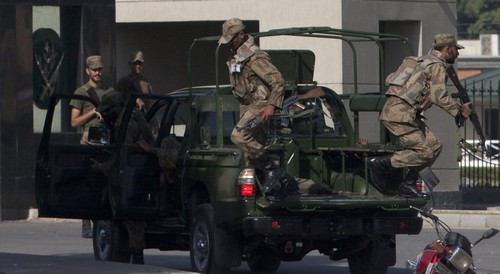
[487, 234]
[490, 233]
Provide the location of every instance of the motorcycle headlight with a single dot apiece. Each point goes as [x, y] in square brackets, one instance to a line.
[460, 259]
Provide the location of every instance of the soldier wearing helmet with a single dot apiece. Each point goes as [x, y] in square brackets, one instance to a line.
[258, 86]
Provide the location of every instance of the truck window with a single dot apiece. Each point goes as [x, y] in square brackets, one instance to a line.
[208, 120]
[181, 117]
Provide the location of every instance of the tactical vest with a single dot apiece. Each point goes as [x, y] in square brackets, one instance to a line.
[248, 87]
[409, 82]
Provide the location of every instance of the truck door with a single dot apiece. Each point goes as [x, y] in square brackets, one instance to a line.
[138, 184]
[67, 183]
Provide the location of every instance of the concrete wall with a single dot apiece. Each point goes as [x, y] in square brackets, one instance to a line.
[16, 120]
[211, 14]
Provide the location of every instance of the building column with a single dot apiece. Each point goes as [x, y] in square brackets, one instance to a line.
[17, 149]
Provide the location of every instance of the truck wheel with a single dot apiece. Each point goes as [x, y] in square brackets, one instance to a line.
[263, 261]
[203, 246]
[110, 241]
[360, 263]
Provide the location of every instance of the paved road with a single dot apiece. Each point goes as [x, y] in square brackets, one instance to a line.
[56, 246]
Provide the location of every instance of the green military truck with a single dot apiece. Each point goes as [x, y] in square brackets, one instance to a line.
[210, 201]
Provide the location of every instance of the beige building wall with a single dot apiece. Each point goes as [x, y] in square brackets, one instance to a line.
[270, 15]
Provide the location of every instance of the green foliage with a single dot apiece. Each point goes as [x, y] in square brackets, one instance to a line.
[478, 16]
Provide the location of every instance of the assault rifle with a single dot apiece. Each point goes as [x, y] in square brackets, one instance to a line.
[295, 100]
[464, 97]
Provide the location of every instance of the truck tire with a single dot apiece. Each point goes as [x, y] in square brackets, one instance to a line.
[206, 253]
[263, 261]
[110, 242]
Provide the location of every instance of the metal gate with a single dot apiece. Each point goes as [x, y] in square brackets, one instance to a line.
[480, 168]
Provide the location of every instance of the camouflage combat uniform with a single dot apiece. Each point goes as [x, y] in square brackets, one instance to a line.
[138, 132]
[403, 107]
[86, 106]
[134, 83]
[256, 83]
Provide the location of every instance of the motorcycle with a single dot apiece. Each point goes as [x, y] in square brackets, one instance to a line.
[450, 253]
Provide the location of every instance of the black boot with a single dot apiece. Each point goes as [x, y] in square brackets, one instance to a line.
[380, 168]
[86, 229]
[136, 257]
[408, 187]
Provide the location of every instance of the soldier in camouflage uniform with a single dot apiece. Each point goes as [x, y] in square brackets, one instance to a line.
[83, 113]
[139, 133]
[135, 81]
[413, 89]
[258, 86]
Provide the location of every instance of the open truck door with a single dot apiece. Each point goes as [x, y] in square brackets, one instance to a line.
[71, 181]
[67, 186]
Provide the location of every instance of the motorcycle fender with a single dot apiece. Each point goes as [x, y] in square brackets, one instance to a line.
[427, 261]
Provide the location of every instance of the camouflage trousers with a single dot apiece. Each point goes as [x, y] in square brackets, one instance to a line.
[420, 146]
[249, 134]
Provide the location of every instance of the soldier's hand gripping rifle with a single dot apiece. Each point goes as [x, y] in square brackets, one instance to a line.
[464, 97]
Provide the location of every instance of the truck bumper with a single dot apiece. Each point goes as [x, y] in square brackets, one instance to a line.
[317, 227]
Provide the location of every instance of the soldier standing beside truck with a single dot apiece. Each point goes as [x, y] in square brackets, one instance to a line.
[418, 84]
[135, 81]
[258, 86]
[83, 113]
[138, 132]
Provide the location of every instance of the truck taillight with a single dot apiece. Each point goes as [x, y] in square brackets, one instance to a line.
[246, 182]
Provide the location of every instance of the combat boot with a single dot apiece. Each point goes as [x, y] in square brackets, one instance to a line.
[379, 167]
[136, 257]
[86, 229]
[408, 187]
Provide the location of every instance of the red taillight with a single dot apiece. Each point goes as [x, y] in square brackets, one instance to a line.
[246, 182]
[418, 186]
[275, 225]
[247, 190]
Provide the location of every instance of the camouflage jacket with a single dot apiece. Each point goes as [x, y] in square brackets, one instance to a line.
[425, 87]
[255, 80]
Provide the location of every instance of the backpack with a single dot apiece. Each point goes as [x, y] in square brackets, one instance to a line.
[403, 73]
[407, 82]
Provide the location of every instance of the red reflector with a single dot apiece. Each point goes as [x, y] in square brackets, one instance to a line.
[275, 225]
[418, 186]
[247, 190]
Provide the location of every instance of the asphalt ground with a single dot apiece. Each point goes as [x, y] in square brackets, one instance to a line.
[14, 260]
